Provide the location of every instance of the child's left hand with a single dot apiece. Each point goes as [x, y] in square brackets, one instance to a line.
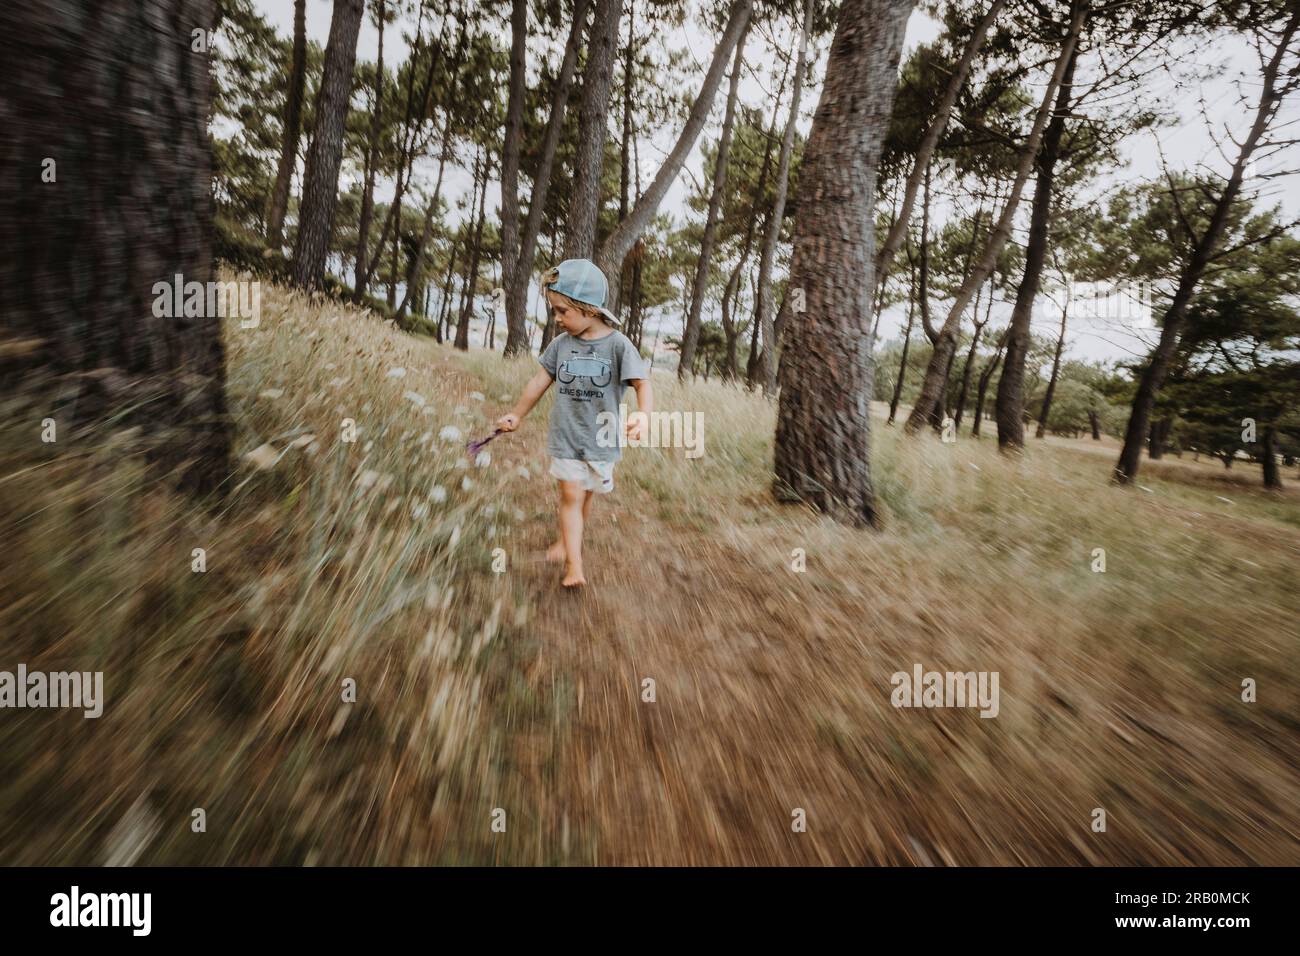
[636, 426]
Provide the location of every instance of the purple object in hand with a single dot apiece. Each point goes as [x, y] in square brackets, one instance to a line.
[474, 447]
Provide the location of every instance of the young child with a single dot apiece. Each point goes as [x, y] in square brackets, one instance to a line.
[593, 364]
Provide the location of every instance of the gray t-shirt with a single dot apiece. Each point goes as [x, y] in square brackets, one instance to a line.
[591, 376]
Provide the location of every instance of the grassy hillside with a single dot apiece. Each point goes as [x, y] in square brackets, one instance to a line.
[481, 689]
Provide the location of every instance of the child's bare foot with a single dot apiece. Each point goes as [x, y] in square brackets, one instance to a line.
[555, 553]
[573, 576]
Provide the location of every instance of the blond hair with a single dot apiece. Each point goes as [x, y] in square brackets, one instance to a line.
[585, 308]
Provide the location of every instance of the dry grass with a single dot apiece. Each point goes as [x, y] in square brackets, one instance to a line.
[368, 560]
[478, 690]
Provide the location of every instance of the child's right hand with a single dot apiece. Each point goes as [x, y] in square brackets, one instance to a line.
[508, 423]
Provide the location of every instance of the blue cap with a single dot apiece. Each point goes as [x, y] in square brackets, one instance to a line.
[581, 281]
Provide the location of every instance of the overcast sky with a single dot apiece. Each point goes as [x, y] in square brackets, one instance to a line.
[1112, 327]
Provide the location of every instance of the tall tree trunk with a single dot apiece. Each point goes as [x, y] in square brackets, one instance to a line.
[894, 238]
[407, 154]
[462, 330]
[923, 285]
[966, 374]
[691, 335]
[444, 304]
[120, 101]
[415, 274]
[625, 146]
[1056, 372]
[730, 333]
[985, 376]
[292, 129]
[635, 319]
[822, 454]
[517, 285]
[515, 338]
[1153, 373]
[615, 248]
[941, 357]
[372, 159]
[772, 237]
[752, 363]
[1158, 440]
[1011, 386]
[1094, 421]
[320, 185]
[970, 360]
[597, 78]
[907, 342]
[1268, 458]
[394, 259]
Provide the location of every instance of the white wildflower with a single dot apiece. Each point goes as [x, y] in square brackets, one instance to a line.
[263, 457]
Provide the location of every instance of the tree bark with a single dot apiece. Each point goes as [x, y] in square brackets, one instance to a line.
[907, 343]
[406, 157]
[471, 279]
[615, 248]
[119, 101]
[625, 146]
[752, 363]
[372, 158]
[517, 285]
[597, 78]
[415, 273]
[444, 305]
[966, 374]
[730, 334]
[635, 320]
[1268, 459]
[510, 164]
[691, 334]
[772, 236]
[292, 128]
[1153, 374]
[1159, 438]
[320, 184]
[822, 453]
[940, 358]
[1010, 407]
[1056, 371]
[923, 286]
[985, 377]
[970, 361]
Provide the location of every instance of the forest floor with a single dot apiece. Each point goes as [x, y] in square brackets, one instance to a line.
[487, 697]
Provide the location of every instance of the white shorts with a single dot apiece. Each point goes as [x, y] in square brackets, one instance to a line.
[597, 476]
